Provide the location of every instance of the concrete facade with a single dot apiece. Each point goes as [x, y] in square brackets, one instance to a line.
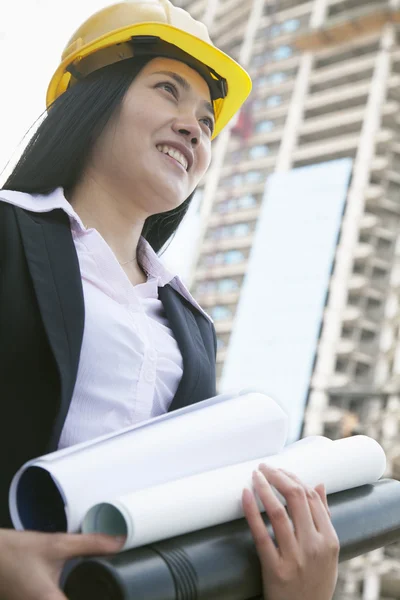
[326, 77]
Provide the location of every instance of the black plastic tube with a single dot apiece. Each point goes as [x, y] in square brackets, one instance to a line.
[220, 563]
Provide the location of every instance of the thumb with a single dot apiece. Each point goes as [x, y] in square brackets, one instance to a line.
[72, 545]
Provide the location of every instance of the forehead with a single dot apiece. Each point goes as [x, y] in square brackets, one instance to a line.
[194, 79]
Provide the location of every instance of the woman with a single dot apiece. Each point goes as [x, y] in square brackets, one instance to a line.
[95, 333]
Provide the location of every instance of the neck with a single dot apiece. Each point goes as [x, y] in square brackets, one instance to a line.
[114, 215]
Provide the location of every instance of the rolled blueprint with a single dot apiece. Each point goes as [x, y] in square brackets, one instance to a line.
[53, 493]
[220, 563]
[212, 498]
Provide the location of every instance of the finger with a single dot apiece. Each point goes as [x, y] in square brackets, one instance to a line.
[277, 514]
[321, 491]
[309, 490]
[296, 498]
[70, 545]
[266, 549]
[320, 515]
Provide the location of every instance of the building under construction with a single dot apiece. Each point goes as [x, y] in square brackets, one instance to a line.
[326, 77]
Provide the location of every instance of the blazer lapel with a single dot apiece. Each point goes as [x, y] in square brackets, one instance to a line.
[193, 386]
[54, 268]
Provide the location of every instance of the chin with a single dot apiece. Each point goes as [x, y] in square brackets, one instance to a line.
[172, 200]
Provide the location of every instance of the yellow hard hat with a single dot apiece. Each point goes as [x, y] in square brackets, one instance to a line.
[155, 27]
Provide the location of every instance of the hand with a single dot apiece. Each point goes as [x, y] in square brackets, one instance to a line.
[304, 564]
[31, 563]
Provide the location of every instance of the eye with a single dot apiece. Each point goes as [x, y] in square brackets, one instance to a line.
[169, 87]
[209, 122]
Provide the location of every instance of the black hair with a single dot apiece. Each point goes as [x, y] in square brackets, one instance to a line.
[57, 153]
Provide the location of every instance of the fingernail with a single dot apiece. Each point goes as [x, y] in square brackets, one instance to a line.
[264, 466]
[120, 539]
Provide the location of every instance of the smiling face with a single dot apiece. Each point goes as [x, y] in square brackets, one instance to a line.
[158, 146]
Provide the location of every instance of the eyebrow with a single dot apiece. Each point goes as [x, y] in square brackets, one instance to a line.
[186, 86]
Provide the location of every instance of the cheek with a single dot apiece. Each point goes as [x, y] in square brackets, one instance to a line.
[204, 160]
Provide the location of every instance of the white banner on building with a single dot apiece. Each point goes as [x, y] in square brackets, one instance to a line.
[276, 329]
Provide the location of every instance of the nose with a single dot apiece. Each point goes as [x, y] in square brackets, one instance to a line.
[190, 128]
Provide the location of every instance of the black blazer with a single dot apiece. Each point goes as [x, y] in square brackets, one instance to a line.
[41, 329]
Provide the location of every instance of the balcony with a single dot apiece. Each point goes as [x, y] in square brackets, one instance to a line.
[357, 283]
[345, 347]
[379, 165]
[373, 193]
[236, 217]
[342, 94]
[374, 314]
[332, 121]
[224, 192]
[221, 271]
[207, 300]
[369, 221]
[344, 69]
[363, 251]
[351, 314]
[223, 326]
[231, 243]
[327, 150]
[221, 355]
[368, 349]
[263, 138]
[354, 23]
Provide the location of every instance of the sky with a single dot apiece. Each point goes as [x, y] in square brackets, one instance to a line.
[33, 34]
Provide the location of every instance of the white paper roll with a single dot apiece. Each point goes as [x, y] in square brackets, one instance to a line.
[208, 435]
[213, 498]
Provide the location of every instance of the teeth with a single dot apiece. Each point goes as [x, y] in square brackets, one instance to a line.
[174, 154]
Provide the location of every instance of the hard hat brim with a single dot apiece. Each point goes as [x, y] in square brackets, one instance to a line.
[238, 80]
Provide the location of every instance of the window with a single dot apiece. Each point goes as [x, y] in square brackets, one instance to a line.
[233, 257]
[290, 25]
[275, 30]
[237, 179]
[227, 231]
[282, 52]
[219, 313]
[226, 206]
[347, 331]
[277, 78]
[361, 370]
[273, 101]
[367, 335]
[259, 151]
[227, 285]
[216, 234]
[261, 58]
[258, 60]
[253, 177]
[247, 201]
[240, 230]
[220, 343]
[260, 81]
[264, 126]
[236, 156]
[341, 365]
[206, 287]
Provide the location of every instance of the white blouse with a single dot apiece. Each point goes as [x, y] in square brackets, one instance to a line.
[130, 364]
